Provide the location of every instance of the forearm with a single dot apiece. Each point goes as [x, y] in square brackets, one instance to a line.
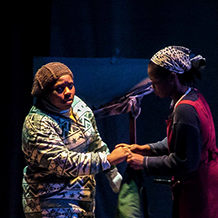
[52, 155]
[159, 148]
[65, 163]
[163, 165]
[151, 149]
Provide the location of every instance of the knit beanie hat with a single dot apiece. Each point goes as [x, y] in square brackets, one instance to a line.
[47, 75]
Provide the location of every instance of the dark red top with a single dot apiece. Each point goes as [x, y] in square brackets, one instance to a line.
[196, 194]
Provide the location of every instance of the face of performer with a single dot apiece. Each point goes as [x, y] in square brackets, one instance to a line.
[162, 82]
[62, 93]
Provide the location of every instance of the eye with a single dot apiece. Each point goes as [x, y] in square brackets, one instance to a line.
[70, 86]
[59, 89]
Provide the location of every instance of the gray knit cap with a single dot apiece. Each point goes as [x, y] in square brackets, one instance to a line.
[47, 75]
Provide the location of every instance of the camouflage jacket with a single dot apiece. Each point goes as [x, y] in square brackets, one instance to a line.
[62, 158]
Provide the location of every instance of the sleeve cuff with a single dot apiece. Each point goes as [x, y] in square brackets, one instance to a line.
[104, 162]
[153, 150]
[145, 165]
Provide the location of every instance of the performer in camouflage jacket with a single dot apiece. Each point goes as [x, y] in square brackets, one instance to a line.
[63, 150]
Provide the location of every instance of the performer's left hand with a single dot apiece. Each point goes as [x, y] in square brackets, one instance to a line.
[135, 161]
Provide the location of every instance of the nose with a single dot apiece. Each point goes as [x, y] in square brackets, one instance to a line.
[66, 90]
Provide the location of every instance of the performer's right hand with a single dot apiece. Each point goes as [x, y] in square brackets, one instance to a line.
[118, 155]
[143, 150]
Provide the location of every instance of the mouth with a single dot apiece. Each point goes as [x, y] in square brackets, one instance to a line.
[68, 101]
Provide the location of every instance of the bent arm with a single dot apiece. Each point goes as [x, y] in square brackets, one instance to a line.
[185, 159]
[43, 148]
[186, 146]
[151, 149]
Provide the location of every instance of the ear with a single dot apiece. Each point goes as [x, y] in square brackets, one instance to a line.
[46, 97]
[172, 77]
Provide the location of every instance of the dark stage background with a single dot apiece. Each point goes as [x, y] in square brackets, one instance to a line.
[97, 29]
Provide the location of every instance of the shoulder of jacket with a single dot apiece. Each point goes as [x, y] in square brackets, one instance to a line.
[185, 108]
[187, 114]
[37, 117]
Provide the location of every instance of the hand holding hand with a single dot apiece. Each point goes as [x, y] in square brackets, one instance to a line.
[135, 161]
[144, 150]
[118, 155]
[123, 145]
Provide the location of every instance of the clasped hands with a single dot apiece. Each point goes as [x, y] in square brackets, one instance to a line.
[133, 154]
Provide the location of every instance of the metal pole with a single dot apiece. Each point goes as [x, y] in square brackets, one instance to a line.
[137, 175]
[132, 129]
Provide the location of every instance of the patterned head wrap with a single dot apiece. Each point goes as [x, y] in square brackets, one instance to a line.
[175, 59]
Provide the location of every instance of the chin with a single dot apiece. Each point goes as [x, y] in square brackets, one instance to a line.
[66, 107]
[158, 95]
[161, 95]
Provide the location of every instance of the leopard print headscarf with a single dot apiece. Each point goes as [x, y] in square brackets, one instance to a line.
[173, 58]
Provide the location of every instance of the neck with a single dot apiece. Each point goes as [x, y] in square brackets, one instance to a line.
[178, 93]
[53, 109]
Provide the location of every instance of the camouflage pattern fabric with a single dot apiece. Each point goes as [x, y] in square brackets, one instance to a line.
[62, 158]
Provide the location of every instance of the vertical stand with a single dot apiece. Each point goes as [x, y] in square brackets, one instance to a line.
[132, 129]
[138, 174]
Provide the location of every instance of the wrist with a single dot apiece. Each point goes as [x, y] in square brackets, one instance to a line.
[147, 150]
[146, 147]
[110, 159]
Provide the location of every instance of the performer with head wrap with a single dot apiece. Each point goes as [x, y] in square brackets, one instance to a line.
[188, 154]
